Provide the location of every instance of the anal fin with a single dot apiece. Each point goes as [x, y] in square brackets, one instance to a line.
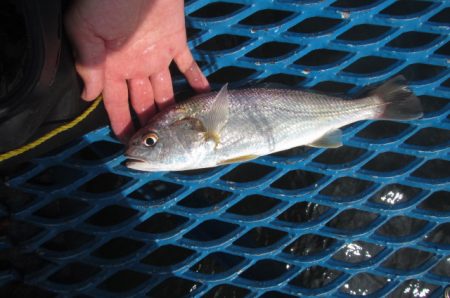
[332, 139]
[238, 159]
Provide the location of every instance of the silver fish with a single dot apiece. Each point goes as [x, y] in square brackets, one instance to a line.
[230, 126]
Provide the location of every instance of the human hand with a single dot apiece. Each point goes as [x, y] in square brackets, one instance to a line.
[124, 48]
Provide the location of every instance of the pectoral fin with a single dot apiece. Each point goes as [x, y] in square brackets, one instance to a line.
[332, 139]
[238, 159]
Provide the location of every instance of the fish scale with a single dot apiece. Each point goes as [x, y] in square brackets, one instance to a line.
[278, 116]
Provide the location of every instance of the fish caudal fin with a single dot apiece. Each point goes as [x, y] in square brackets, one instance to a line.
[398, 101]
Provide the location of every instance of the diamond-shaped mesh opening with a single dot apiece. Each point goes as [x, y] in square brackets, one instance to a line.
[111, 215]
[260, 237]
[413, 288]
[443, 267]
[155, 191]
[280, 78]
[104, 183]
[227, 291]
[161, 223]
[168, 255]
[364, 32]
[440, 235]
[61, 209]
[404, 9]
[446, 84]
[13, 200]
[364, 284]
[297, 179]
[412, 39]
[430, 136]
[266, 17]
[393, 195]
[421, 71]
[434, 169]
[433, 105]
[401, 226]
[444, 50]
[98, 152]
[124, 281]
[442, 16]
[370, 65]
[345, 187]
[230, 74]
[211, 230]
[388, 162]
[315, 277]
[333, 88]
[272, 50]
[309, 245]
[174, 287]
[223, 42]
[352, 220]
[303, 212]
[22, 263]
[21, 289]
[315, 25]
[217, 9]
[407, 259]
[321, 58]
[349, 4]
[19, 231]
[342, 155]
[358, 252]
[192, 33]
[55, 177]
[382, 130]
[216, 263]
[253, 205]
[118, 248]
[437, 202]
[265, 270]
[247, 172]
[68, 240]
[204, 197]
[74, 273]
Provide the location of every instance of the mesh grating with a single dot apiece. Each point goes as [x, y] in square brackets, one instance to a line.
[370, 218]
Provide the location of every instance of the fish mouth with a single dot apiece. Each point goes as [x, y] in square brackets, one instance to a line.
[137, 163]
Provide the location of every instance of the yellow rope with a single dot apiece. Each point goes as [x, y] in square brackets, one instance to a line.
[51, 134]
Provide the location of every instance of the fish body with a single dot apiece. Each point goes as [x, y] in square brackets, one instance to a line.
[237, 125]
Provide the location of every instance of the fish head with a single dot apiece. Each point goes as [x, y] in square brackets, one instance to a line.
[169, 146]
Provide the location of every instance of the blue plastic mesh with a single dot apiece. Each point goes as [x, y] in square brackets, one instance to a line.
[370, 218]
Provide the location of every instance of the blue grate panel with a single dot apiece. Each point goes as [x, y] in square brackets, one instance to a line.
[370, 218]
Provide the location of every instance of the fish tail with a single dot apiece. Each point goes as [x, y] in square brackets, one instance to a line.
[396, 101]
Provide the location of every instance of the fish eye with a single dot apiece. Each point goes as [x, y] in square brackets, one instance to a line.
[150, 139]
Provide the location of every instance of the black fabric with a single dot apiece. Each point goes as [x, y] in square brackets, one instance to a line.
[39, 87]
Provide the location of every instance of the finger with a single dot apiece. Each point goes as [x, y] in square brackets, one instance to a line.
[191, 71]
[89, 57]
[115, 96]
[142, 99]
[162, 89]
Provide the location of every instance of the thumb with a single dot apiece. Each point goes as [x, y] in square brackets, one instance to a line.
[89, 56]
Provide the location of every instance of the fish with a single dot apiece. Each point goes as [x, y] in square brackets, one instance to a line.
[238, 125]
